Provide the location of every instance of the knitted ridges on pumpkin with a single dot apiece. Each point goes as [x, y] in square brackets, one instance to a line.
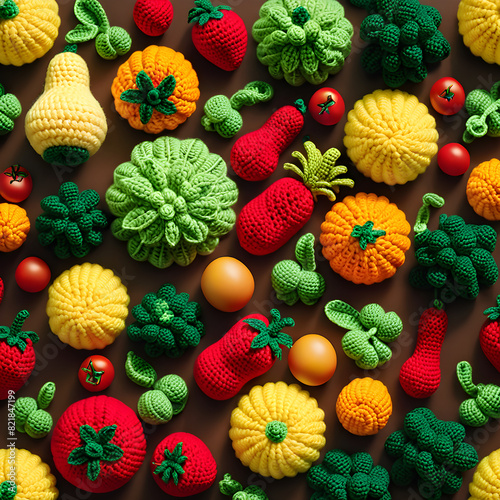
[30, 34]
[390, 136]
[87, 306]
[485, 483]
[483, 189]
[14, 227]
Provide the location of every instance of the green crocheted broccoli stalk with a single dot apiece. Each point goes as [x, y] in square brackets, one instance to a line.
[403, 38]
[71, 224]
[302, 44]
[171, 467]
[348, 477]
[172, 201]
[14, 337]
[484, 110]
[8, 9]
[228, 486]
[8, 490]
[110, 41]
[10, 108]
[298, 280]
[96, 449]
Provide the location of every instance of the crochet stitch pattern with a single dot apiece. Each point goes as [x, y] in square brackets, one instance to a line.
[485, 482]
[344, 477]
[153, 17]
[303, 41]
[168, 323]
[10, 109]
[71, 223]
[489, 335]
[403, 38]
[483, 108]
[432, 451]
[14, 227]
[231, 488]
[172, 201]
[483, 189]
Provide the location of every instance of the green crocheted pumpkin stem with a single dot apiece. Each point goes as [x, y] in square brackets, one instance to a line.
[300, 16]
[366, 234]
[276, 431]
[8, 9]
[8, 490]
[204, 11]
[493, 313]
[171, 467]
[424, 213]
[13, 336]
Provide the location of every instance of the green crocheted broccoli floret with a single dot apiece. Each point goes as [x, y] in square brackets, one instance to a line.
[71, 223]
[404, 38]
[302, 41]
[344, 477]
[431, 451]
[167, 322]
[10, 109]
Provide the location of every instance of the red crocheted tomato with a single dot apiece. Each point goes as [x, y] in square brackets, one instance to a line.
[326, 106]
[96, 373]
[453, 159]
[15, 184]
[447, 96]
[32, 274]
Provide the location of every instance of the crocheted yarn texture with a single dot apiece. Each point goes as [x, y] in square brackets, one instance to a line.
[302, 41]
[483, 108]
[483, 189]
[153, 17]
[489, 335]
[390, 136]
[10, 109]
[14, 227]
[485, 483]
[173, 201]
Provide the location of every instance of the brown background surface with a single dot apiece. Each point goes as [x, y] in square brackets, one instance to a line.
[204, 417]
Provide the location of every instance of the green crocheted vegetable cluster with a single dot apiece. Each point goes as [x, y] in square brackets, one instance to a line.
[403, 38]
[71, 223]
[344, 477]
[167, 322]
[10, 109]
[455, 258]
[431, 451]
[304, 40]
[173, 201]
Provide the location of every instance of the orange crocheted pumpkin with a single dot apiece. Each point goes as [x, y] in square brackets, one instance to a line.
[14, 227]
[483, 189]
[156, 89]
[365, 238]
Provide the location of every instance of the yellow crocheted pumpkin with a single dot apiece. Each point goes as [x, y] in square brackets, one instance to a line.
[87, 306]
[156, 89]
[365, 238]
[479, 24]
[32, 477]
[14, 226]
[28, 29]
[390, 136]
[277, 430]
[485, 483]
[483, 189]
[364, 406]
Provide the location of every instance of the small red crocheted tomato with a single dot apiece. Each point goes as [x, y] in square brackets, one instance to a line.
[96, 373]
[447, 96]
[15, 184]
[326, 106]
[32, 274]
[453, 159]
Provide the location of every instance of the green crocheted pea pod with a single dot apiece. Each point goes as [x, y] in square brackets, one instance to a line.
[22, 410]
[154, 408]
[139, 370]
[46, 395]
[176, 391]
[38, 424]
[10, 109]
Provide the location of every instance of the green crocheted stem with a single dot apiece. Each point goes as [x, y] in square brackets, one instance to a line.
[204, 11]
[139, 371]
[13, 336]
[276, 431]
[171, 467]
[8, 490]
[493, 313]
[464, 375]
[228, 486]
[252, 93]
[72, 47]
[69, 156]
[366, 234]
[301, 106]
[46, 395]
[93, 376]
[8, 9]
[300, 16]
[482, 107]
[15, 173]
[423, 216]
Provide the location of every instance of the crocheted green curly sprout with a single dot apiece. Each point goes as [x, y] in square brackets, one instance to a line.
[354, 477]
[431, 450]
[228, 486]
[10, 109]
[302, 43]
[403, 39]
[369, 331]
[295, 281]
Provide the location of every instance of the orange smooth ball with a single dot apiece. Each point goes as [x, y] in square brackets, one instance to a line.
[227, 284]
[312, 359]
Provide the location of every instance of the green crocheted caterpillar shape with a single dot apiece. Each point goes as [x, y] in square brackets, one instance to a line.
[71, 223]
[173, 201]
[167, 322]
[403, 38]
[344, 477]
[369, 331]
[483, 108]
[10, 109]
[432, 451]
[302, 40]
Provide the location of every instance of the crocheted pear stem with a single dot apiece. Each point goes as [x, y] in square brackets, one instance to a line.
[171, 467]
[8, 490]
[8, 9]
[493, 313]
[423, 216]
[464, 374]
[319, 171]
[204, 11]
[13, 336]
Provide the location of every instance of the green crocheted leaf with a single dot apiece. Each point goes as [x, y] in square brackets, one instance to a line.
[139, 370]
[343, 315]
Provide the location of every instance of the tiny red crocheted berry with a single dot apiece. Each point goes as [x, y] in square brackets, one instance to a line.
[153, 17]
[489, 336]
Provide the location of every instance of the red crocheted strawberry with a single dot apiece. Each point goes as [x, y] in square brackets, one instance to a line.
[218, 34]
[153, 17]
[249, 349]
[489, 336]
[182, 465]
[17, 356]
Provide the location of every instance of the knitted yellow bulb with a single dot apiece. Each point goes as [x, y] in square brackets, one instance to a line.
[485, 483]
[14, 226]
[66, 125]
[479, 24]
[277, 430]
[390, 136]
[364, 406]
[483, 189]
[32, 477]
[87, 306]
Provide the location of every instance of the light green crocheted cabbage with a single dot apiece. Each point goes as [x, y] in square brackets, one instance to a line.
[172, 201]
[302, 40]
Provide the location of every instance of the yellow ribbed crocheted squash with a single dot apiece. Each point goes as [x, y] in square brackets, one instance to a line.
[156, 89]
[364, 406]
[365, 238]
[87, 306]
[14, 226]
[277, 430]
[483, 189]
[66, 125]
[390, 136]
[485, 483]
[479, 24]
[32, 477]
[28, 29]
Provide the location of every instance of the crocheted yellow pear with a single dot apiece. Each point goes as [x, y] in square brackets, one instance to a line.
[485, 483]
[66, 125]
